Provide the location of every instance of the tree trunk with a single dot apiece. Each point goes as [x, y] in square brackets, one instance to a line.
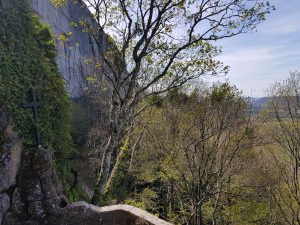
[117, 131]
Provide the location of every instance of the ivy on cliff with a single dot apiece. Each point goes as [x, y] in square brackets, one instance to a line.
[27, 60]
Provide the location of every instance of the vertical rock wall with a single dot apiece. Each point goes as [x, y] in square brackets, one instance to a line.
[79, 53]
[76, 60]
[10, 160]
[10, 152]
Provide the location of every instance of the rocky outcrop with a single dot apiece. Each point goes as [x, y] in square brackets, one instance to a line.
[31, 193]
[37, 199]
[38, 194]
[29, 188]
[10, 160]
[77, 51]
[10, 152]
[76, 60]
[4, 205]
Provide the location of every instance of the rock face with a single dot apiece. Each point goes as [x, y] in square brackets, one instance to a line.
[37, 199]
[76, 60]
[38, 193]
[10, 152]
[10, 160]
[31, 193]
[78, 52]
[4, 205]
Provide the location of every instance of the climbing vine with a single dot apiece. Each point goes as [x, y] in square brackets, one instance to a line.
[27, 60]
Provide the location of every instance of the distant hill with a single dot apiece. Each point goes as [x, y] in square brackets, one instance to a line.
[258, 104]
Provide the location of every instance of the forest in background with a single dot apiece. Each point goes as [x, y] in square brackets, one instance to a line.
[205, 157]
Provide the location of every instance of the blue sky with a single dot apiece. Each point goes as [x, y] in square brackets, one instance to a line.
[259, 59]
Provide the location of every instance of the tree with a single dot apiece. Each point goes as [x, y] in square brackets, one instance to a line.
[188, 152]
[283, 126]
[156, 46]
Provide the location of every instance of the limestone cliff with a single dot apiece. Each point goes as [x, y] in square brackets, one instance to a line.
[77, 50]
[10, 152]
[10, 160]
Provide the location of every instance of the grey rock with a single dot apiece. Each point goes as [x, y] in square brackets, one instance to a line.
[34, 190]
[80, 47]
[49, 189]
[5, 119]
[37, 182]
[17, 203]
[36, 210]
[81, 213]
[51, 205]
[12, 219]
[10, 152]
[42, 190]
[4, 203]
[56, 183]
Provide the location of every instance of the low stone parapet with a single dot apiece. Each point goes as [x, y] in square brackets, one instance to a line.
[81, 213]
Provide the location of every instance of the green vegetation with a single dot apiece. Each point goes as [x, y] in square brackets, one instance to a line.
[183, 170]
[190, 157]
[58, 3]
[144, 41]
[27, 60]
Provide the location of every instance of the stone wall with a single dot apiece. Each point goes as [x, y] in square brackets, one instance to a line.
[86, 214]
[78, 55]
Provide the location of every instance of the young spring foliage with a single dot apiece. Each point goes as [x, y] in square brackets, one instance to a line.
[156, 46]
